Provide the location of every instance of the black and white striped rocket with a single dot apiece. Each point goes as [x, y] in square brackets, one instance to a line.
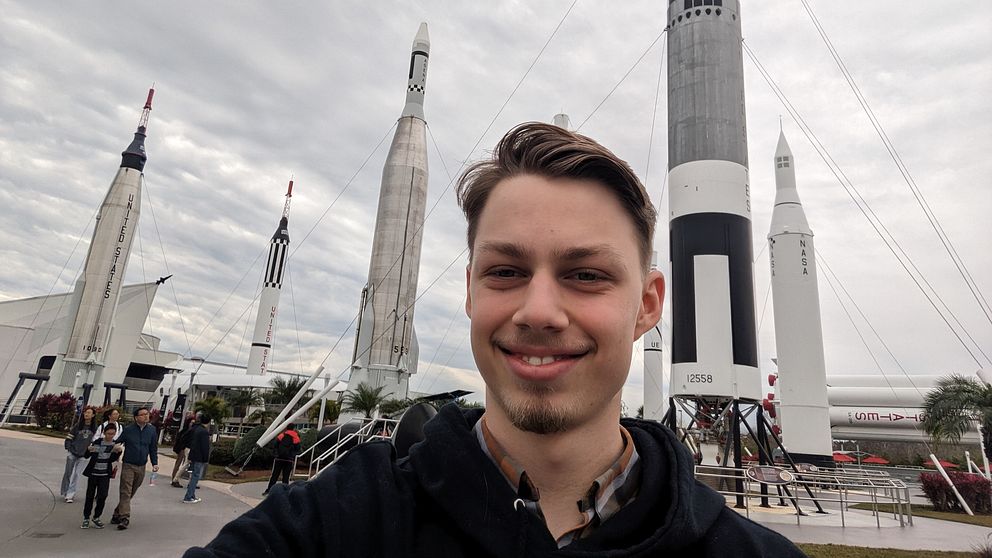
[803, 411]
[714, 340]
[386, 350]
[268, 299]
[83, 354]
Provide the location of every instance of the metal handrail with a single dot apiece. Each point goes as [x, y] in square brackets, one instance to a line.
[848, 489]
[363, 434]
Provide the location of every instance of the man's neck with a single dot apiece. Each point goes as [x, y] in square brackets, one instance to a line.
[561, 465]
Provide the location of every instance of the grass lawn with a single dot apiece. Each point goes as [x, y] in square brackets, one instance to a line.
[838, 551]
[928, 511]
[36, 430]
[218, 473]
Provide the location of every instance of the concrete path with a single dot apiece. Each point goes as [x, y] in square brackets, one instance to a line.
[862, 530]
[34, 521]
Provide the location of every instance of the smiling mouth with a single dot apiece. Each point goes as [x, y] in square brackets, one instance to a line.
[542, 360]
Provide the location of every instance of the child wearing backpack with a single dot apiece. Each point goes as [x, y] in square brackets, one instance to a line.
[287, 448]
[102, 456]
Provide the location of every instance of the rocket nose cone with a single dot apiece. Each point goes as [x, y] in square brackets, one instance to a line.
[282, 232]
[134, 156]
[422, 39]
[782, 149]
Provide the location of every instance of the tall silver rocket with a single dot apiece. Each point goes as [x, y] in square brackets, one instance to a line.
[803, 411]
[714, 339]
[386, 349]
[83, 354]
[268, 299]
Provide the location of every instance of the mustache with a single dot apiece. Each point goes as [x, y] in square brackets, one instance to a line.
[551, 341]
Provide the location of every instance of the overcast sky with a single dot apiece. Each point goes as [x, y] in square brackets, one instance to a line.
[249, 94]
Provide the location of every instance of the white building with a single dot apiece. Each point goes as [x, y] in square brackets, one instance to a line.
[32, 331]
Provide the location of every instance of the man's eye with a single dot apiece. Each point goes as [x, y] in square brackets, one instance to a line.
[504, 273]
[587, 276]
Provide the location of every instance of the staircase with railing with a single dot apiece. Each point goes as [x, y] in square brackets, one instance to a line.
[370, 430]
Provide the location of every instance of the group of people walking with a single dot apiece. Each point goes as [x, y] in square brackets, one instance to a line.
[94, 449]
[93, 452]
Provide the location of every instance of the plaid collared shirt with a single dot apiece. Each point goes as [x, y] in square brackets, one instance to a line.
[609, 492]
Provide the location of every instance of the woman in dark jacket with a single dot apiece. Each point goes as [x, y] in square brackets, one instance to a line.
[75, 444]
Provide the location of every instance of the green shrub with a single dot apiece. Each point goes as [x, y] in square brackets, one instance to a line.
[222, 452]
[245, 445]
[307, 439]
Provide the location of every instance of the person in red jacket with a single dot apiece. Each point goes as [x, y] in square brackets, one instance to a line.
[287, 448]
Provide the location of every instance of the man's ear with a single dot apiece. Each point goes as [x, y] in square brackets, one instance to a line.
[652, 301]
[468, 290]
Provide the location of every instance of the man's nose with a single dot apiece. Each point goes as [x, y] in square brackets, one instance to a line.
[541, 307]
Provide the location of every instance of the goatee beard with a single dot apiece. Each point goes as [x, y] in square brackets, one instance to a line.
[537, 417]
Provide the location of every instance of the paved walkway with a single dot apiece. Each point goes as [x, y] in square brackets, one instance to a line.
[862, 530]
[34, 521]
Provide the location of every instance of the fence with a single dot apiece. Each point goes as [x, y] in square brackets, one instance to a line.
[835, 487]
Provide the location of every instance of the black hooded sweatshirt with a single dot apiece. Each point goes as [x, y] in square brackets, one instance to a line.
[448, 499]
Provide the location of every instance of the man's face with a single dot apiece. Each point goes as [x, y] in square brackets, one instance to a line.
[556, 297]
[142, 417]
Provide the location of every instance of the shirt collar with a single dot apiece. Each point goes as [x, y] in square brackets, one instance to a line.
[608, 493]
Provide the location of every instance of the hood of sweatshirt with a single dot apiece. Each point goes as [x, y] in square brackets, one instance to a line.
[671, 511]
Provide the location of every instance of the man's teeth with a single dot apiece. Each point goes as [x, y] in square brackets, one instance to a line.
[538, 361]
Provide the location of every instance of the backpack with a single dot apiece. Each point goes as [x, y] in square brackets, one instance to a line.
[285, 447]
[183, 439]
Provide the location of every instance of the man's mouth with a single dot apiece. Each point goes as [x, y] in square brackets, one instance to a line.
[538, 361]
[536, 356]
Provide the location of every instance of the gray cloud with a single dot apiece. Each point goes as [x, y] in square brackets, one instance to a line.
[249, 94]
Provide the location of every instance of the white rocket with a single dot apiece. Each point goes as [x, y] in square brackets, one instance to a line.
[655, 402]
[802, 378]
[714, 338]
[268, 300]
[81, 359]
[562, 121]
[386, 351]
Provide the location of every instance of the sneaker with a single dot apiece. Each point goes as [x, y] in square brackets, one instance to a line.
[115, 519]
[176, 484]
[97, 523]
[68, 500]
[123, 524]
[195, 500]
[85, 525]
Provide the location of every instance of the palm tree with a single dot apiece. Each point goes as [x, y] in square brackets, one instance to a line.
[364, 399]
[243, 400]
[332, 409]
[283, 390]
[216, 407]
[955, 403]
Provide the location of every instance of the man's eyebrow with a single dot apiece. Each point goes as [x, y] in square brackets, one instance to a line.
[509, 249]
[573, 254]
[595, 251]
